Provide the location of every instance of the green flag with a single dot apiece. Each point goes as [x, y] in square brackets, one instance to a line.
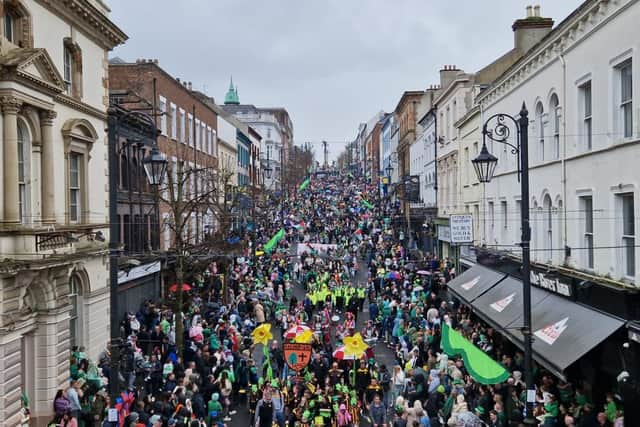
[305, 184]
[482, 368]
[366, 204]
[268, 247]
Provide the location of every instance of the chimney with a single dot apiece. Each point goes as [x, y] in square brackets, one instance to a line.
[448, 74]
[189, 85]
[178, 79]
[527, 32]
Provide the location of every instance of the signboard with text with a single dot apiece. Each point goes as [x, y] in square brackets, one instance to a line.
[461, 227]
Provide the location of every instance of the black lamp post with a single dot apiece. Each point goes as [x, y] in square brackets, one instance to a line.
[155, 166]
[485, 166]
[389, 170]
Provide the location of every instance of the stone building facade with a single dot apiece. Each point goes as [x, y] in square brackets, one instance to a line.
[54, 273]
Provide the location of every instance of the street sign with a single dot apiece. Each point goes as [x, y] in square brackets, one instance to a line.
[461, 228]
[297, 355]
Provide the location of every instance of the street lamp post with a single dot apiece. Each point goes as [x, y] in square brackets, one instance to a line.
[155, 166]
[485, 166]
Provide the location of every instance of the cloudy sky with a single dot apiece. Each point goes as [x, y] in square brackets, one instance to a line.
[330, 63]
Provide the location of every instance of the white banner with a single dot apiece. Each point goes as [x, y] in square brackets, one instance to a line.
[317, 247]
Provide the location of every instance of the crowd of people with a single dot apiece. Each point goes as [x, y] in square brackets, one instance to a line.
[340, 270]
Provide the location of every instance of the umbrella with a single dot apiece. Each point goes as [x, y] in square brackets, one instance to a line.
[393, 275]
[185, 287]
[295, 330]
[338, 354]
[424, 273]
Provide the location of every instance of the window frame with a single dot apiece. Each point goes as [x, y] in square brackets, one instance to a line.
[554, 108]
[182, 125]
[540, 129]
[586, 116]
[174, 120]
[626, 104]
[628, 236]
[586, 205]
[25, 143]
[163, 114]
[68, 69]
[75, 192]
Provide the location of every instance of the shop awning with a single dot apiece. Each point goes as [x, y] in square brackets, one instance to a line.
[474, 282]
[502, 305]
[564, 331]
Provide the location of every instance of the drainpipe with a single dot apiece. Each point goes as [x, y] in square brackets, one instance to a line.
[564, 157]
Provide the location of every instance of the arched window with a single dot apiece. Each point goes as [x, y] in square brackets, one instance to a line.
[76, 318]
[540, 129]
[547, 223]
[554, 110]
[24, 170]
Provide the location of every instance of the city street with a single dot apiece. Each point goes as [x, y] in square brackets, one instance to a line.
[197, 197]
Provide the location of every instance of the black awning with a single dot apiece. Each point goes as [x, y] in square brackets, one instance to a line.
[474, 282]
[502, 305]
[563, 331]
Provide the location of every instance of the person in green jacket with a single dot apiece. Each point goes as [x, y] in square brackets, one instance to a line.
[214, 409]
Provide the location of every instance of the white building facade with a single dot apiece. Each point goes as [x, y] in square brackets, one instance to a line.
[583, 144]
[54, 273]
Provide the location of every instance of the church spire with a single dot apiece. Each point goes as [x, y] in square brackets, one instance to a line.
[232, 94]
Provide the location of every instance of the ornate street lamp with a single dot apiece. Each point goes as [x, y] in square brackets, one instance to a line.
[485, 166]
[389, 170]
[155, 165]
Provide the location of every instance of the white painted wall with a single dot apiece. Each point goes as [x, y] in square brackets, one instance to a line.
[603, 37]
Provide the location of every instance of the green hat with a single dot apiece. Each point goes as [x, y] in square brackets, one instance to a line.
[440, 389]
[254, 388]
[480, 410]
[312, 404]
[260, 381]
[353, 401]
[274, 383]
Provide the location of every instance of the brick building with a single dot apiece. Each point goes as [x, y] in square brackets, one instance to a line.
[188, 137]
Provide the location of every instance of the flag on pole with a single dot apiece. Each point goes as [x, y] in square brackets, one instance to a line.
[366, 204]
[305, 184]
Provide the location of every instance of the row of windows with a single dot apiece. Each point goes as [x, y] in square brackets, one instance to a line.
[544, 218]
[180, 125]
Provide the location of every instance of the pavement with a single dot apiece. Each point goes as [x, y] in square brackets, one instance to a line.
[382, 353]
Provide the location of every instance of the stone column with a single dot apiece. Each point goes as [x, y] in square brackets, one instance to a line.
[10, 107]
[48, 165]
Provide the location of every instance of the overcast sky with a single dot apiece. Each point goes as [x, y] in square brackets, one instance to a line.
[331, 63]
